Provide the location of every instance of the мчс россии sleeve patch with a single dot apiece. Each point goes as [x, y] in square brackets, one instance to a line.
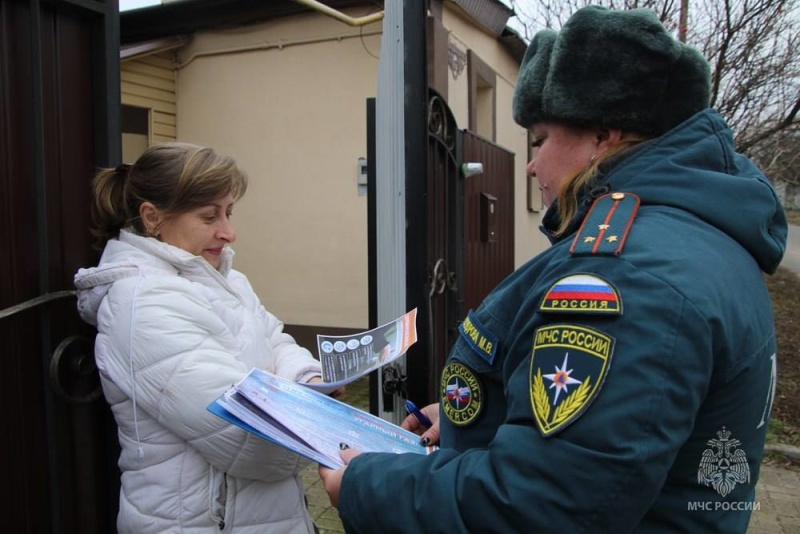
[569, 364]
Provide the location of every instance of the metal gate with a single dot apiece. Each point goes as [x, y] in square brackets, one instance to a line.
[59, 103]
[470, 238]
[445, 261]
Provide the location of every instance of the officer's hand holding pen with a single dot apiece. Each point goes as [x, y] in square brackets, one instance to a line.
[332, 478]
[429, 435]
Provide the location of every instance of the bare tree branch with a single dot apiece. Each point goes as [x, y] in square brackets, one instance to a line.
[751, 46]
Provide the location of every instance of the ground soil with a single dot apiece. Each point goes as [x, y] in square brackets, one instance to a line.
[784, 287]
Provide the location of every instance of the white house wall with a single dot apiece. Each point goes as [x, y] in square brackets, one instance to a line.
[293, 114]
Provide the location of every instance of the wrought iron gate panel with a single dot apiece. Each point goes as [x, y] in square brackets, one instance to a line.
[445, 236]
[463, 265]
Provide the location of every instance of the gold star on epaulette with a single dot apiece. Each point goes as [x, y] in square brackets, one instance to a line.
[605, 227]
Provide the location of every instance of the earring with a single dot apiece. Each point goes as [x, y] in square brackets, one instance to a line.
[594, 157]
[154, 232]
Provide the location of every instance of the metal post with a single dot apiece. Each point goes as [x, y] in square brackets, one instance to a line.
[401, 169]
[416, 147]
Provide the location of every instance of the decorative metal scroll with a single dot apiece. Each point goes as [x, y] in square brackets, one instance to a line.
[441, 124]
[456, 60]
[73, 373]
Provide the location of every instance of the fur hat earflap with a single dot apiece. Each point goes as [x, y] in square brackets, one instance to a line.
[613, 69]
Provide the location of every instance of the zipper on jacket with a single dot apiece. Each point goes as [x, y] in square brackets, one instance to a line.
[217, 496]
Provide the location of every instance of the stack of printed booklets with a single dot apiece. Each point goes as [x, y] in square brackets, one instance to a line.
[308, 422]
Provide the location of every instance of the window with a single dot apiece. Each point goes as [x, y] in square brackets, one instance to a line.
[482, 97]
[135, 126]
[534, 193]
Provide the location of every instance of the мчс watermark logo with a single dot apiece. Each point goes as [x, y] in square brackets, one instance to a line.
[708, 506]
[723, 465]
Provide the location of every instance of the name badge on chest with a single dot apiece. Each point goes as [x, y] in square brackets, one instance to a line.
[479, 339]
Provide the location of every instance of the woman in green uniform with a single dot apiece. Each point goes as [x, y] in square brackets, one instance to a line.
[620, 381]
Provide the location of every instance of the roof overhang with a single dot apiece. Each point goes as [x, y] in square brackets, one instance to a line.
[493, 15]
[184, 17]
[169, 25]
[514, 43]
[146, 48]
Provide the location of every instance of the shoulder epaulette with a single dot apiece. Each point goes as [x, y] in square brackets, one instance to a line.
[606, 226]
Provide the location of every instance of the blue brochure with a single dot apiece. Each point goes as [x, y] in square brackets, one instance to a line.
[308, 422]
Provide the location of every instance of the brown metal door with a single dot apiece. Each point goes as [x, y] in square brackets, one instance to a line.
[488, 219]
[59, 98]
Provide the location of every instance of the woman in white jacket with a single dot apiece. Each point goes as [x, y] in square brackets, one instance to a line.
[177, 326]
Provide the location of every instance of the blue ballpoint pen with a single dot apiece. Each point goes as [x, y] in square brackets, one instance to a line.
[421, 417]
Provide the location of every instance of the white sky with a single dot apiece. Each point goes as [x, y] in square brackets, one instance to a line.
[125, 5]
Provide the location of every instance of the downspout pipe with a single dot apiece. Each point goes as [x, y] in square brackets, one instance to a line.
[338, 15]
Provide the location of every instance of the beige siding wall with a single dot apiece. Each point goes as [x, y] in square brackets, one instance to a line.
[465, 36]
[149, 82]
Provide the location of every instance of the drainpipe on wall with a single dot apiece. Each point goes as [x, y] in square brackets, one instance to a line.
[338, 15]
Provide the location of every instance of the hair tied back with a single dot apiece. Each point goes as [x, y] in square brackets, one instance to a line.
[123, 168]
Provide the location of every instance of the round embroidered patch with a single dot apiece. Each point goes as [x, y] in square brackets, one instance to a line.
[462, 396]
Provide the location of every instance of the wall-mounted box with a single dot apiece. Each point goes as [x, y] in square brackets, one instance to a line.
[488, 218]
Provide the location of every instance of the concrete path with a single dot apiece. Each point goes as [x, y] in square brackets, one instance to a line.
[791, 260]
[778, 499]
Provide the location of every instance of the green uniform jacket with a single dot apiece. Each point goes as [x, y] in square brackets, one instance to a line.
[621, 380]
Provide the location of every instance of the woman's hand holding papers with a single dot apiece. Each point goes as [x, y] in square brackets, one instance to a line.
[335, 393]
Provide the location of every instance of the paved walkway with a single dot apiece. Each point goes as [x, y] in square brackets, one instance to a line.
[777, 492]
[778, 495]
[791, 260]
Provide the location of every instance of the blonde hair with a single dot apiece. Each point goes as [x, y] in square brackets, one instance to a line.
[577, 183]
[174, 177]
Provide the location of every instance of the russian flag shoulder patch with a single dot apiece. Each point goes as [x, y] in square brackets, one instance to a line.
[582, 293]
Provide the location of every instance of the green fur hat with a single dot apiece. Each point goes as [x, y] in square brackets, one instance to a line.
[613, 69]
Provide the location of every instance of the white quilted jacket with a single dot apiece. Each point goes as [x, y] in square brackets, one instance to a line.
[173, 334]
